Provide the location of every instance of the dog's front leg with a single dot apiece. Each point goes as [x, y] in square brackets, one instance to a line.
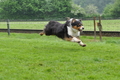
[81, 43]
[74, 39]
[78, 41]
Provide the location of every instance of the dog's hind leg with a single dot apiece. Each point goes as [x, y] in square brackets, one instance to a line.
[42, 33]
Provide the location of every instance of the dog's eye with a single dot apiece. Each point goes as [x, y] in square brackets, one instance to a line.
[78, 25]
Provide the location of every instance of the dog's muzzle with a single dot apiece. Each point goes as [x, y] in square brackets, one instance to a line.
[82, 28]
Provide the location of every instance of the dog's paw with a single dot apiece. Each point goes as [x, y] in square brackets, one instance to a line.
[83, 45]
[41, 34]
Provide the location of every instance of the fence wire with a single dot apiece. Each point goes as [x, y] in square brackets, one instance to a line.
[107, 25]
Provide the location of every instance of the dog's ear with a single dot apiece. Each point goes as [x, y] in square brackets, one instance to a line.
[67, 18]
[73, 20]
[80, 19]
[67, 23]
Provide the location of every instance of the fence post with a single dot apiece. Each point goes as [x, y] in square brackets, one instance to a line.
[94, 28]
[8, 27]
[100, 28]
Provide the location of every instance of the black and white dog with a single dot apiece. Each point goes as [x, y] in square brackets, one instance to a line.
[69, 31]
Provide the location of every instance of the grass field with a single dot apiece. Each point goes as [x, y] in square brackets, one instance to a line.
[108, 25]
[34, 57]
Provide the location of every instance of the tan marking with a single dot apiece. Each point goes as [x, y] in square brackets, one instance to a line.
[77, 28]
[41, 33]
[73, 20]
[67, 39]
[78, 37]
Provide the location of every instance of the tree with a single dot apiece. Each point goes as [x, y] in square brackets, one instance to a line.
[107, 10]
[35, 8]
[58, 8]
[112, 10]
[91, 10]
[22, 8]
[77, 10]
[116, 9]
[99, 3]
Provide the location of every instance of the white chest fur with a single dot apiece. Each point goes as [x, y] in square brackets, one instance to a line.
[73, 32]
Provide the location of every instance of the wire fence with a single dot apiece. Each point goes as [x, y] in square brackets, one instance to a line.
[107, 25]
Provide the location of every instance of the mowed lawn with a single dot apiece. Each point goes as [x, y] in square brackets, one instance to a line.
[34, 57]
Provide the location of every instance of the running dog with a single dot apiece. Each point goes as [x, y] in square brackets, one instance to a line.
[69, 31]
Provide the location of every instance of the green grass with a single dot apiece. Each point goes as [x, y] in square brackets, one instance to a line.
[108, 25]
[34, 57]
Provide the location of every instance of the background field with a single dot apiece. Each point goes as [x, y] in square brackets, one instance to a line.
[34, 57]
[108, 25]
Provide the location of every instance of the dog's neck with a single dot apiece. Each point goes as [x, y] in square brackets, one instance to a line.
[73, 32]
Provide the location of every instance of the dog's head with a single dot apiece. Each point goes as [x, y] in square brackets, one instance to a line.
[76, 24]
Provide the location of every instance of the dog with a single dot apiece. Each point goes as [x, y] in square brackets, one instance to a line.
[69, 31]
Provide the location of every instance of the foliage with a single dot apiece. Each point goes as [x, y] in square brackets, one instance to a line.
[107, 10]
[116, 9]
[35, 8]
[112, 9]
[91, 10]
[31, 57]
[77, 10]
[98, 3]
[58, 9]
[55, 9]
[22, 8]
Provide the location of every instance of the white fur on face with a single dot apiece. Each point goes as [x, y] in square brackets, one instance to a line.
[73, 32]
[82, 27]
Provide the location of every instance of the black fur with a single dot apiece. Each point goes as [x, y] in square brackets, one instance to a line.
[58, 29]
[61, 30]
[77, 23]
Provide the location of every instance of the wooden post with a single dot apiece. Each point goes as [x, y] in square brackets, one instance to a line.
[94, 28]
[100, 19]
[100, 28]
[8, 27]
